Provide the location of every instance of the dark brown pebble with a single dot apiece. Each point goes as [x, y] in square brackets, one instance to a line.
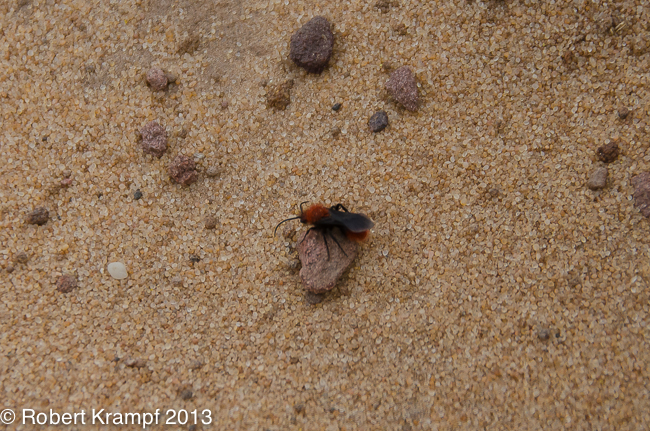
[183, 170]
[10, 269]
[154, 139]
[211, 222]
[66, 283]
[608, 152]
[21, 257]
[403, 87]
[623, 113]
[137, 195]
[156, 79]
[543, 334]
[378, 121]
[187, 394]
[39, 216]
[311, 46]
[336, 107]
[194, 258]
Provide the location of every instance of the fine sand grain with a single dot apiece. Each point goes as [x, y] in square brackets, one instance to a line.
[497, 291]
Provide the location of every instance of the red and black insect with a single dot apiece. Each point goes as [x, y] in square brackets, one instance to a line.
[353, 225]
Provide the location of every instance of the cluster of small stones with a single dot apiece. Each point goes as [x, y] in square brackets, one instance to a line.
[495, 291]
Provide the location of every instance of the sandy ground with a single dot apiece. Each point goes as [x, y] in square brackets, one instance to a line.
[496, 290]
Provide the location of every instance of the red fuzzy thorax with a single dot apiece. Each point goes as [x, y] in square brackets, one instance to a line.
[314, 213]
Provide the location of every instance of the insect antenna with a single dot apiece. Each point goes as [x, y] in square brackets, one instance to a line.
[292, 218]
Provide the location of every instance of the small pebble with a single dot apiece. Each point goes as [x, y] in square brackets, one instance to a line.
[21, 257]
[156, 79]
[154, 139]
[171, 77]
[224, 104]
[213, 172]
[187, 394]
[608, 152]
[66, 182]
[378, 121]
[279, 96]
[211, 222]
[183, 170]
[10, 269]
[598, 178]
[39, 216]
[335, 131]
[195, 364]
[403, 87]
[135, 363]
[194, 258]
[66, 283]
[117, 270]
[177, 281]
[623, 113]
[641, 185]
[336, 107]
[311, 46]
[543, 334]
[137, 195]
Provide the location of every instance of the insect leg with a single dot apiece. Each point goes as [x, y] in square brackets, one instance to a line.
[337, 242]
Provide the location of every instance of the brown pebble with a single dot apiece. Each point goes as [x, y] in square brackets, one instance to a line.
[195, 364]
[154, 139]
[598, 178]
[177, 281]
[183, 170]
[319, 274]
[66, 283]
[10, 269]
[403, 87]
[156, 79]
[311, 46]
[186, 394]
[641, 185]
[211, 222]
[135, 363]
[66, 182]
[299, 408]
[608, 152]
[279, 96]
[623, 113]
[378, 121]
[543, 334]
[21, 257]
[335, 131]
[39, 216]
[171, 77]
[224, 104]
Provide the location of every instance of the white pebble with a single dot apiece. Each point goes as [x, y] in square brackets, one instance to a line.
[117, 270]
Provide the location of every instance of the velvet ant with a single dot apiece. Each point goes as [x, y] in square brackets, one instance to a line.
[354, 226]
